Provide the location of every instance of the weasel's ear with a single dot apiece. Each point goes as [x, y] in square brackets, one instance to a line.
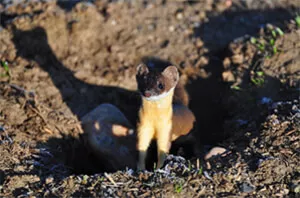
[142, 69]
[171, 72]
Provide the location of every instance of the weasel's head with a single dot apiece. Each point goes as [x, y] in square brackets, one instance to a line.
[154, 85]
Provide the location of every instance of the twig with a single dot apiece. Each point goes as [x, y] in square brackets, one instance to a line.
[198, 164]
[110, 179]
[290, 132]
[207, 175]
[148, 193]
[133, 189]
[39, 114]
[22, 90]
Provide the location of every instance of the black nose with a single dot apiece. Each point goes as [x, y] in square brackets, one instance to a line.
[147, 93]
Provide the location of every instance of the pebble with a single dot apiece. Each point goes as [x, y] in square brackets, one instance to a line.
[215, 151]
[228, 76]
[171, 28]
[49, 180]
[246, 187]
[296, 189]
[238, 59]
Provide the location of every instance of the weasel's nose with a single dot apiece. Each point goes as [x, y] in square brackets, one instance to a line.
[147, 93]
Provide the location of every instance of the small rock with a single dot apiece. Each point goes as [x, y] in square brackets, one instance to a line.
[237, 59]
[296, 188]
[228, 76]
[110, 136]
[226, 63]
[201, 62]
[171, 28]
[199, 43]
[215, 151]
[246, 187]
[49, 180]
[179, 15]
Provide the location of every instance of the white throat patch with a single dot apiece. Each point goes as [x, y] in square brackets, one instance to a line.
[158, 97]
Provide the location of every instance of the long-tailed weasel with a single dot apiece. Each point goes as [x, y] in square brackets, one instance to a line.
[163, 115]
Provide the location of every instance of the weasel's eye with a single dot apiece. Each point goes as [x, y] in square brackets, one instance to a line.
[160, 86]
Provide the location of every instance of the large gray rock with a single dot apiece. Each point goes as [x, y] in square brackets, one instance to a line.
[110, 136]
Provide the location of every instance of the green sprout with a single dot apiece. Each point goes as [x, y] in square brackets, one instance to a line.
[178, 187]
[260, 73]
[253, 40]
[235, 87]
[274, 33]
[259, 79]
[266, 44]
[84, 179]
[279, 31]
[261, 47]
[272, 42]
[274, 49]
[200, 171]
[4, 64]
[297, 20]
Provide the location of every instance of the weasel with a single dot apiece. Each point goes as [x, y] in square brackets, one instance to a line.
[164, 114]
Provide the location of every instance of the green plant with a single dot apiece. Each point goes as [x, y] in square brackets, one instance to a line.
[279, 31]
[236, 87]
[272, 42]
[297, 20]
[84, 179]
[274, 33]
[200, 171]
[258, 79]
[178, 187]
[4, 64]
[261, 46]
[267, 43]
[274, 49]
[260, 73]
[253, 40]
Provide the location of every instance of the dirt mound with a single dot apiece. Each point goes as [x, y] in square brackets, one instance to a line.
[240, 61]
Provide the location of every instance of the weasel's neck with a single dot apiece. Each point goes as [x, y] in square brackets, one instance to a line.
[162, 101]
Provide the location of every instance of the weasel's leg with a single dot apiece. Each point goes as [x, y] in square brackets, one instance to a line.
[145, 135]
[163, 143]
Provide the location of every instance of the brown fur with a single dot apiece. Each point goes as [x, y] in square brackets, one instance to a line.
[180, 94]
[183, 121]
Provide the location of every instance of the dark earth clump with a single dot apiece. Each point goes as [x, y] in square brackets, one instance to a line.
[240, 63]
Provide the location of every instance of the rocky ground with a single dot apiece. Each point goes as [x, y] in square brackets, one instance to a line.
[241, 65]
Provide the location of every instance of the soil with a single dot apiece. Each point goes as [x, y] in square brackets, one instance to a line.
[66, 58]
